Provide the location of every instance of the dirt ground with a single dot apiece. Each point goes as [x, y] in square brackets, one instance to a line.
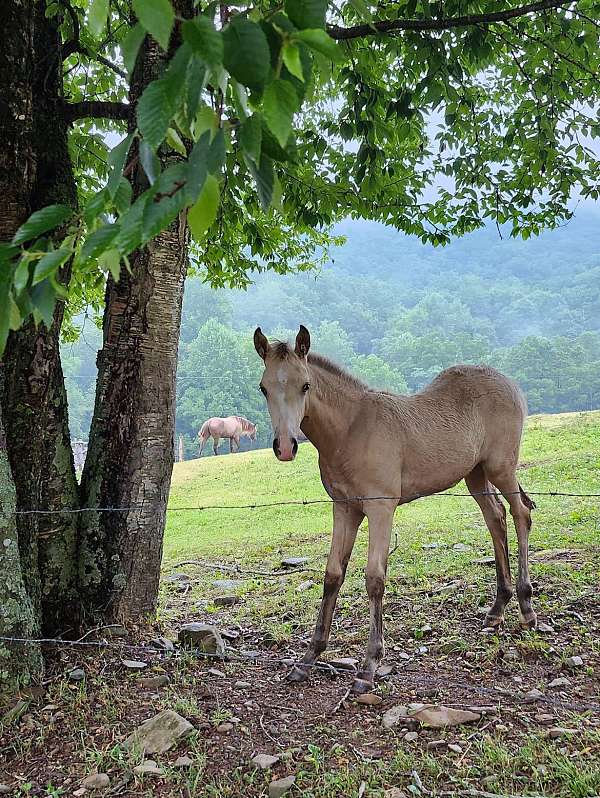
[57, 734]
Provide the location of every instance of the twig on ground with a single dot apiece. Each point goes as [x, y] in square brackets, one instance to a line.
[340, 702]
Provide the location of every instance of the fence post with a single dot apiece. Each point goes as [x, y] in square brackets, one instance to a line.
[180, 457]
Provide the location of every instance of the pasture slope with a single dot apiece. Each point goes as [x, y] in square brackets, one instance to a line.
[545, 743]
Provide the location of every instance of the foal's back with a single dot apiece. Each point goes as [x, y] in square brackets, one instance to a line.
[466, 416]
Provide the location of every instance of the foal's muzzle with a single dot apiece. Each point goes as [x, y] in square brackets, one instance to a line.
[285, 453]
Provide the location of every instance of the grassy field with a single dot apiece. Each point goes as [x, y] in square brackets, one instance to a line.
[440, 581]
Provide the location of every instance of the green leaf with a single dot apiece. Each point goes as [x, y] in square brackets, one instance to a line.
[291, 58]
[247, 55]
[43, 297]
[41, 221]
[97, 17]
[21, 275]
[197, 168]
[130, 235]
[306, 13]
[280, 103]
[111, 260]
[48, 265]
[95, 205]
[157, 17]
[131, 44]
[250, 137]
[150, 162]
[116, 161]
[174, 141]
[195, 81]
[205, 41]
[271, 147]
[154, 113]
[206, 119]
[169, 198]
[123, 194]
[319, 41]
[264, 177]
[203, 213]
[99, 241]
[216, 153]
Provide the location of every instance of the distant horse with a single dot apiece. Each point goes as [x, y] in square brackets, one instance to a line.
[232, 427]
[378, 450]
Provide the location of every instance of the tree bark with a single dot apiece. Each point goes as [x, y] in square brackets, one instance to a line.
[131, 449]
[36, 171]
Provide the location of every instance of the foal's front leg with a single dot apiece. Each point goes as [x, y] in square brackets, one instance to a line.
[381, 516]
[346, 520]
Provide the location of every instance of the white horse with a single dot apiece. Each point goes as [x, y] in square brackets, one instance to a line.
[232, 427]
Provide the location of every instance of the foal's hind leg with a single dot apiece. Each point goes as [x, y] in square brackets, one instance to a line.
[520, 509]
[215, 445]
[495, 518]
[346, 520]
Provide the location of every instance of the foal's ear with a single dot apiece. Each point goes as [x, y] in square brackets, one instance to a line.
[302, 342]
[261, 343]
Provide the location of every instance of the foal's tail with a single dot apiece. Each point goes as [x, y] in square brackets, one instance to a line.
[529, 503]
[204, 431]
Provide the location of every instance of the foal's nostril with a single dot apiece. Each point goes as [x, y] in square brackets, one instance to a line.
[276, 447]
[294, 446]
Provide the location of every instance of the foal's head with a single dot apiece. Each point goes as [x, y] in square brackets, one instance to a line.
[286, 385]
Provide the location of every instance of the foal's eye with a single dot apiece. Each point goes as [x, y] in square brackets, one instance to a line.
[263, 390]
[305, 387]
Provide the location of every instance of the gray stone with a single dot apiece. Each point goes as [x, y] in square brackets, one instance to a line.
[544, 628]
[97, 781]
[455, 748]
[294, 562]
[76, 675]
[240, 685]
[344, 663]
[393, 716]
[533, 695]
[5, 789]
[264, 761]
[370, 699]
[574, 662]
[159, 733]
[228, 584]
[303, 586]
[435, 745]
[154, 682]
[461, 547]
[223, 728]
[281, 786]
[561, 681]
[178, 578]
[148, 768]
[385, 670]
[559, 731]
[183, 762]
[216, 672]
[226, 601]
[162, 644]
[436, 717]
[512, 655]
[134, 664]
[202, 636]
[411, 737]
[485, 561]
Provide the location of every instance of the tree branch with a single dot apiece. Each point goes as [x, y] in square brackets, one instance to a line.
[74, 47]
[443, 23]
[96, 109]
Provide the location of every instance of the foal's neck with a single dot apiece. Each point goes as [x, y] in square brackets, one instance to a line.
[333, 405]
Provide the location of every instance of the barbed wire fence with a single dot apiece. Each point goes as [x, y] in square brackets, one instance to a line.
[249, 658]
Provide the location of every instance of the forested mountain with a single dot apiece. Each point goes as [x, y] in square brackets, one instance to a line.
[395, 313]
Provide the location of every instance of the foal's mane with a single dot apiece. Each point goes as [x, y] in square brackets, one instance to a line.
[283, 350]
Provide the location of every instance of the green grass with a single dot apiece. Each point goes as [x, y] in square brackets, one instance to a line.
[561, 452]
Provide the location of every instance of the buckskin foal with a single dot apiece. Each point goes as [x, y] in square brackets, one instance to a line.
[466, 424]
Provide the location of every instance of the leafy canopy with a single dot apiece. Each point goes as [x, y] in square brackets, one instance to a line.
[270, 123]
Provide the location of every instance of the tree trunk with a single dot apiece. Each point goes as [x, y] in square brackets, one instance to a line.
[131, 449]
[36, 170]
[18, 617]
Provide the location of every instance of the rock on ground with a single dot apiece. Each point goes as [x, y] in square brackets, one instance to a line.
[393, 716]
[281, 786]
[97, 781]
[203, 636]
[264, 761]
[160, 733]
[436, 717]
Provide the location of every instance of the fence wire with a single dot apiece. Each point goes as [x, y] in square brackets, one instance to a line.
[300, 502]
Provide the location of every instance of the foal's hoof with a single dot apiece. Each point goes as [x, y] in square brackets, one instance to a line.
[298, 674]
[360, 686]
[528, 621]
[492, 622]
